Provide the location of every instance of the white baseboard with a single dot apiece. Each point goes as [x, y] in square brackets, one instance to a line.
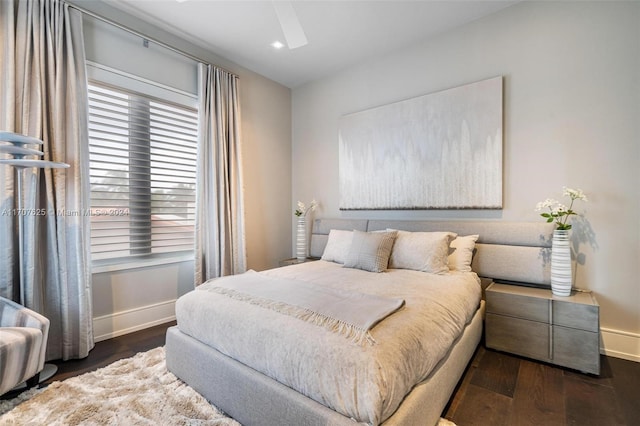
[620, 344]
[124, 322]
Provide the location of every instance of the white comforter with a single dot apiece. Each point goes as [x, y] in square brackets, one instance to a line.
[366, 383]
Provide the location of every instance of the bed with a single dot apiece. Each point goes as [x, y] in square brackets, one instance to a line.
[266, 364]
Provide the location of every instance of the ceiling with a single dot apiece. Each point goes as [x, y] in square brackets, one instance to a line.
[339, 33]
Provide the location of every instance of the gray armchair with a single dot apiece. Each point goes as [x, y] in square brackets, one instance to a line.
[23, 342]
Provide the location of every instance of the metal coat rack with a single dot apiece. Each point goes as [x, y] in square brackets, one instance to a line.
[24, 157]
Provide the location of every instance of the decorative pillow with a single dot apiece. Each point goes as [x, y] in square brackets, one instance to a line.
[462, 255]
[338, 245]
[370, 250]
[422, 251]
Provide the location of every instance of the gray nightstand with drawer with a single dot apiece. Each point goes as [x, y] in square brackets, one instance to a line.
[534, 323]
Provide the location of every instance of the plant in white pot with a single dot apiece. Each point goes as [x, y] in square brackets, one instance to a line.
[561, 265]
[301, 231]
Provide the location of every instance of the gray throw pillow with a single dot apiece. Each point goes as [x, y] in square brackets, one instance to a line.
[370, 251]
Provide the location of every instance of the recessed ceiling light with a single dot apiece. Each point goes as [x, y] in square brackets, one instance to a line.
[277, 45]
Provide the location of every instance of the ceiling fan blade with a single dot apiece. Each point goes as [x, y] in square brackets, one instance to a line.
[293, 32]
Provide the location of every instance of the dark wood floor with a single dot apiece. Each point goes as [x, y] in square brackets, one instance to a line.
[497, 389]
[501, 389]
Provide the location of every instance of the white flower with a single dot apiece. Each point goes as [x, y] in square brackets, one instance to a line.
[559, 212]
[559, 208]
[574, 194]
[546, 204]
[302, 209]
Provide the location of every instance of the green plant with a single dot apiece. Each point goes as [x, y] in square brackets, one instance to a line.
[302, 209]
[558, 212]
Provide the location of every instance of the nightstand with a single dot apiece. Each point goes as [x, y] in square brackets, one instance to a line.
[295, 261]
[534, 323]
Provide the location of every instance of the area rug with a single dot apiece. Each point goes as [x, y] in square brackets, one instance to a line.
[133, 391]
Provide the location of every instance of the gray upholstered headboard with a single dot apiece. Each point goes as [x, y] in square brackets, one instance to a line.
[510, 251]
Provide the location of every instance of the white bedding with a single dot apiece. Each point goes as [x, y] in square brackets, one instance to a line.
[366, 383]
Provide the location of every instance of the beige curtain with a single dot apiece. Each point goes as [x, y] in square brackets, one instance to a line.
[44, 94]
[220, 240]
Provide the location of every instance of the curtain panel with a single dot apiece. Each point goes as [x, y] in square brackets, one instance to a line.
[220, 236]
[43, 93]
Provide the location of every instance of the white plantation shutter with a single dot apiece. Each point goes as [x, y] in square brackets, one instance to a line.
[143, 168]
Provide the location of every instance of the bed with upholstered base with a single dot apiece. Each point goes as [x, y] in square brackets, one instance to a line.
[504, 250]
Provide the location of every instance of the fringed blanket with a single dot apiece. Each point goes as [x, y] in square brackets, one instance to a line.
[348, 313]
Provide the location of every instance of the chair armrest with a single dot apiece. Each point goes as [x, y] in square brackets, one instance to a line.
[13, 314]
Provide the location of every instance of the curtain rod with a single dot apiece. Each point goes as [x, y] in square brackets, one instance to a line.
[145, 37]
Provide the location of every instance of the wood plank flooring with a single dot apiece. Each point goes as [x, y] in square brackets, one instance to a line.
[497, 389]
[502, 389]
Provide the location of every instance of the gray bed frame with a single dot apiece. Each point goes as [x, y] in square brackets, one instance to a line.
[508, 251]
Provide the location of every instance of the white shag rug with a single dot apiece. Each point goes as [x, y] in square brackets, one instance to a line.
[133, 391]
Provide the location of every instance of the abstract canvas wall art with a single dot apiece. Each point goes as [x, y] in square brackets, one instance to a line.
[437, 151]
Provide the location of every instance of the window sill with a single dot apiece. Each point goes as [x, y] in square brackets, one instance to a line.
[141, 263]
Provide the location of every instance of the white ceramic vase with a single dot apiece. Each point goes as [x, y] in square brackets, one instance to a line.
[301, 239]
[561, 269]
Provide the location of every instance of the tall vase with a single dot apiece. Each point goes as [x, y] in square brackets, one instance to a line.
[561, 270]
[301, 239]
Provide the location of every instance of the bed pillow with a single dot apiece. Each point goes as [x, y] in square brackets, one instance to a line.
[422, 251]
[338, 245]
[462, 255]
[370, 251]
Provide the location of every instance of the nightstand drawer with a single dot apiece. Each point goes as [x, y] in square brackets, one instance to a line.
[520, 306]
[574, 315]
[518, 336]
[576, 349]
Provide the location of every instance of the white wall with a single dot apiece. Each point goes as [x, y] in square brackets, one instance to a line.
[572, 110]
[128, 300]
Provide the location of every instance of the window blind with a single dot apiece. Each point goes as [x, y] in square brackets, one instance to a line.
[142, 174]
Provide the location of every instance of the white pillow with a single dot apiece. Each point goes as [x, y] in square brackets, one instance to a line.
[338, 245]
[462, 255]
[370, 250]
[422, 251]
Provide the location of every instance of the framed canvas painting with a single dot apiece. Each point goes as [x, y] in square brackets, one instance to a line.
[437, 151]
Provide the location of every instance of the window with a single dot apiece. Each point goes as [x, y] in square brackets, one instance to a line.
[143, 175]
